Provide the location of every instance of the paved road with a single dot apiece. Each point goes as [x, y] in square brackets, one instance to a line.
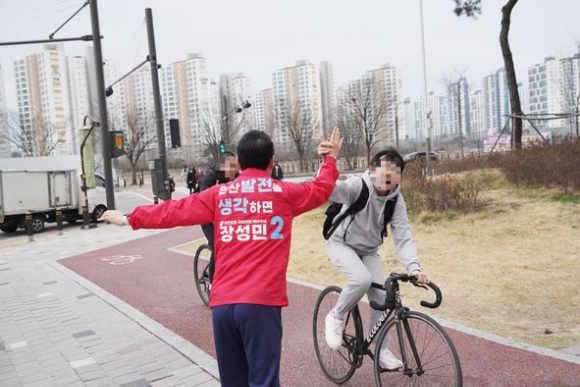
[160, 284]
[59, 329]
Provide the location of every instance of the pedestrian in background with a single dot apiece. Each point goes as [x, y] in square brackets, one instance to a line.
[191, 180]
[277, 173]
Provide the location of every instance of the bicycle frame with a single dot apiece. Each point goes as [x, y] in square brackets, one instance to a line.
[398, 310]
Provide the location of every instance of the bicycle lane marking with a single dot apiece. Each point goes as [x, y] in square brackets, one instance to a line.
[161, 286]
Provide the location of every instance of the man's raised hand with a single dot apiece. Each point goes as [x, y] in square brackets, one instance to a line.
[336, 141]
[330, 146]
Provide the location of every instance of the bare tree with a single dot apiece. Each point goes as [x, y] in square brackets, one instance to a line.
[213, 128]
[369, 107]
[472, 8]
[302, 125]
[140, 134]
[351, 135]
[456, 86]
[39, 138]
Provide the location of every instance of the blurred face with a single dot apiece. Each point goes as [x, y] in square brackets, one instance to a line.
[229, 167]
[386, 176]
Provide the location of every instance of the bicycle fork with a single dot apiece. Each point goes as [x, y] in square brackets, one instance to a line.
[406, 370]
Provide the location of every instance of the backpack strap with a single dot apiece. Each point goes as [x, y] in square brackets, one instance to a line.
[358, 205]
[388, 214]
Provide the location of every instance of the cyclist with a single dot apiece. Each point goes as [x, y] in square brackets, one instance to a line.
[252, 249]
[225, 170]
[353, 246]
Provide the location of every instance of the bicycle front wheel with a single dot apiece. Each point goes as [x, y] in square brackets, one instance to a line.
[429, 353]
[201, 272]
[338, 366]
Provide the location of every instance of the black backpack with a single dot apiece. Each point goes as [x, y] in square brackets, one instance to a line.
[330, 225]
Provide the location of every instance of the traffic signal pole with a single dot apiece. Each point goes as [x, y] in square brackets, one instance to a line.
[157, 101]
[103, 119]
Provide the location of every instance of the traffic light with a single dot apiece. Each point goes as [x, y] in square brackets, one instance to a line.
[117, 141]
[175, 136]
[222, 147]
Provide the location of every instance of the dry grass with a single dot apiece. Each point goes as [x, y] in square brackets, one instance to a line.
[511, 269]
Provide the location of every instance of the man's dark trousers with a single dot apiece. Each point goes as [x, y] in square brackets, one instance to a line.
[248, 340]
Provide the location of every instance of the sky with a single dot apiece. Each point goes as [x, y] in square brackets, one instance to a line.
[257, 37]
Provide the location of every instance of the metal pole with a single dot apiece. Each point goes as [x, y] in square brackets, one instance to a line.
[157, 99]
[85, 208]
[51, 36]
[397, 124]
[426, 128]
[85, 38]
[226, 120]
[102, 105]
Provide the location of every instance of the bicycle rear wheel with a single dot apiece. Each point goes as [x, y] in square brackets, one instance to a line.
[201, 272]
[434, 362]
[338, 366]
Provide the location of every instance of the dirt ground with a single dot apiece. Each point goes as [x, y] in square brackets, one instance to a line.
[511, 269]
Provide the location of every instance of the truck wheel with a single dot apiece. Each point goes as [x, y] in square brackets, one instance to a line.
[98, 211]
[37, 224]
[9, 228]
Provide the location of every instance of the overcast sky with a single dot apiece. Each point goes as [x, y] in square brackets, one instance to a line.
[257, 37]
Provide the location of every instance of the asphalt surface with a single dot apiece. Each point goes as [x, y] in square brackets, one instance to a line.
[159, 283]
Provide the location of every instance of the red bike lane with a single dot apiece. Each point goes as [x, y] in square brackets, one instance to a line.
[159, 283]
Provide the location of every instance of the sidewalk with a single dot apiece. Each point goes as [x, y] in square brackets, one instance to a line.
[58, 329]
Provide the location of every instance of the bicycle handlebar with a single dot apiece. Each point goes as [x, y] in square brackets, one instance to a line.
[390, 299]
[377, 306]
[438, 297]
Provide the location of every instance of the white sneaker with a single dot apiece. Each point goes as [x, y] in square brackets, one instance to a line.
[334, 330]
[388, 361]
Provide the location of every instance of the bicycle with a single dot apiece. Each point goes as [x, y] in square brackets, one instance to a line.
[201, 262]
[428, 355]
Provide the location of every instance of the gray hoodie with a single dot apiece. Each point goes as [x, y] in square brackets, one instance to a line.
[364, 233]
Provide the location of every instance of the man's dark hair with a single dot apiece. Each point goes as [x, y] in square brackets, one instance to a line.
[389, 154]
[255, 150]
[224, 156]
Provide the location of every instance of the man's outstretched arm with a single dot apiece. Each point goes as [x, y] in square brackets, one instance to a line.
[189, 211]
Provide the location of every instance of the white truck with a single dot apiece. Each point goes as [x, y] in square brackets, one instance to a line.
[42, 185]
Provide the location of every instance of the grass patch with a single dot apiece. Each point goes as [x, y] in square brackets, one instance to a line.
[510, 269]
[571, 199]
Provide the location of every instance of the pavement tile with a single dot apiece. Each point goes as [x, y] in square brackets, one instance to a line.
[197, 379]
[55, 332]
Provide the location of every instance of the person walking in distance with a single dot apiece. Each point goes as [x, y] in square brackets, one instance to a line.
[191, 180]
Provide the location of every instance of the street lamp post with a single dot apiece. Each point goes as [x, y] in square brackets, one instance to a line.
[406, 101]
[426, 127]
[237, 109]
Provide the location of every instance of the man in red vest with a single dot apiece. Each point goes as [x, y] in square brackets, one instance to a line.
[253, 224]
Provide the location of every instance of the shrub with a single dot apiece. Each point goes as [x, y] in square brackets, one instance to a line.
[451, 192]
[544, 166]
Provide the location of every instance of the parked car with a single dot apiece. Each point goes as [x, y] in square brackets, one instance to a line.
[413, 156]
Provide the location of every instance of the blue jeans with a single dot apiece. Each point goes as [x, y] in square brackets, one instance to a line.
[248, 341]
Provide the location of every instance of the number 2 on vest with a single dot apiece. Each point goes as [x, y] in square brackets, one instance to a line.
[280, 222]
